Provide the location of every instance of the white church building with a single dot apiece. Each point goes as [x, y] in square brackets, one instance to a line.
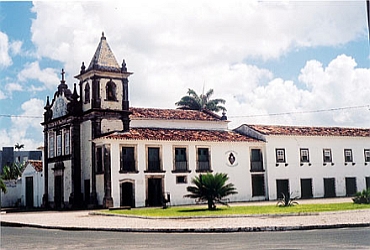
[99, 151]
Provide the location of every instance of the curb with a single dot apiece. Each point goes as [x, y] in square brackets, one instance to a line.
[190, 230]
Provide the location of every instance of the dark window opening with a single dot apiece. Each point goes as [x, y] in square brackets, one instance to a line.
[256, 160]
[99, 160]
[153, 159]
[351, 187]
[87, 93]
[327, 155]
[306, 189]
[111, 91]
[203, 160]
[128, 159]
[180, 160]
[181, 180]
[258, 185]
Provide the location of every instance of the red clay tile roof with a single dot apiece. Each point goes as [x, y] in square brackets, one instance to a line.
[180, 135]
[37, 165]
[310, 131]
[173, 114]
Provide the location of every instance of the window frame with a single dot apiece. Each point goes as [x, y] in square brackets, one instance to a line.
[367, 155]
[327, 159]
[176, 162]
[198, 159]
[67, 142]
[134, 162]
[280, 158]
[256, 166]
[51, 145]
[348, 158]
[302, 156]
[160, 161]
[110, 91]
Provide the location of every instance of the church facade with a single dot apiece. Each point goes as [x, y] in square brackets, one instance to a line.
[100, 152]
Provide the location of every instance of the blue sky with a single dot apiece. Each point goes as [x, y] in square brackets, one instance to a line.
[262, 57]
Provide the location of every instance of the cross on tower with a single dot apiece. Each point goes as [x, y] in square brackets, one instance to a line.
[63, 74]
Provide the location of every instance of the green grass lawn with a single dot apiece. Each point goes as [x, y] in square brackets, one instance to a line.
[187, 211]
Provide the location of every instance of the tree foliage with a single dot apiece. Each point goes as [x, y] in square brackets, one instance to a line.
[2, 185]
[18, 146]
[362, 197]
[12, 172]
[193, 101]
[211, 188]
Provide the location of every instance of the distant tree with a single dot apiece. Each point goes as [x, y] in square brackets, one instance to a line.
[2, 185]
[193, 101]
[18, 146]
[12, 172]
[211, 188]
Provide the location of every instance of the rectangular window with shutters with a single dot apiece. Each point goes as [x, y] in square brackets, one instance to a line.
[181, 164]
[256, 160]
[327, 157]
[128, 163]
[367, 155]
[304, 155]
[153, 159]
[203, 160]
[280, 155]
[348, 155]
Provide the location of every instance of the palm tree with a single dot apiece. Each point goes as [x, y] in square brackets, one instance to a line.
[211, 188]
[18, 146]
[194, 102]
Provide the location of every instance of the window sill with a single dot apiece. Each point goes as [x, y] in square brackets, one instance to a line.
[204, 171]
[181, 171]
[257, 170]
[154, 171]
[128, 172]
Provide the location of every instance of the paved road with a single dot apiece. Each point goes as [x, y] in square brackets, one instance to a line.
[35, 238]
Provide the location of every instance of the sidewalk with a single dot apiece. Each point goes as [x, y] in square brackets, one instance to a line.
[88, 220]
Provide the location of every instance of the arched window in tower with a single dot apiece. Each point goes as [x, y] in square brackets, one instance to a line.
[111, 91]
[87, 93]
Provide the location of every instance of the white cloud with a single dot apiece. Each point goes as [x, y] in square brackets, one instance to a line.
[172, 46]
[27, 122]
[2, 95]
[16, 47]
[339, 86]
[47, 76]
[5, 59]
[10, 87]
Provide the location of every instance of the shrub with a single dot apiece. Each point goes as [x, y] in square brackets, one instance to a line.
[362, 197]
[287, 201]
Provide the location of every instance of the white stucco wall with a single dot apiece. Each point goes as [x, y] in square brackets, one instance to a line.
[12, 197]
[111, 125]
[38, 185]
[239, 173]
[180, 124]
[316, 171]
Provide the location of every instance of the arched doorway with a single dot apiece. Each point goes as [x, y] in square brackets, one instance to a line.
[127, 194]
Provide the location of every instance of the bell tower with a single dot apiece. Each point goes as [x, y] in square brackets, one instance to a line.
[105, 108]
[104, 85]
